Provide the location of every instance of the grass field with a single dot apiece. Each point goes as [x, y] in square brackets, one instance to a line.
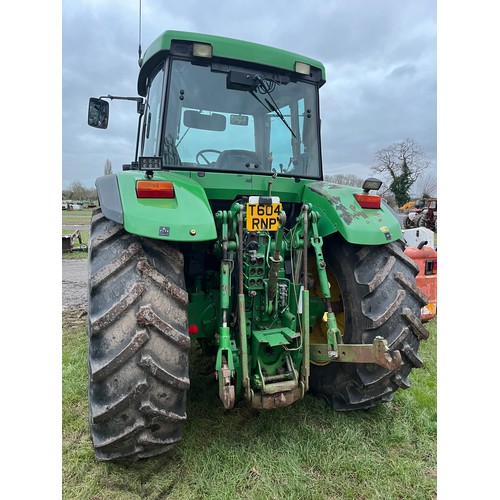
[76, 216]
[305, 451]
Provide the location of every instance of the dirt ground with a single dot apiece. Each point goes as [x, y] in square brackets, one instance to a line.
[74, 284]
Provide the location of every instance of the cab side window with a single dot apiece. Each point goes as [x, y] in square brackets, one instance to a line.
[152, 115]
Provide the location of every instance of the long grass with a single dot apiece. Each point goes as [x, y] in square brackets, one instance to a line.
[304, 451]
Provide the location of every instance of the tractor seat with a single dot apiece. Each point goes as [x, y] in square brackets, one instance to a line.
[238, 159]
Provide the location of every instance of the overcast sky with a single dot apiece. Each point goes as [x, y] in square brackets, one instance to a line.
[380, 59]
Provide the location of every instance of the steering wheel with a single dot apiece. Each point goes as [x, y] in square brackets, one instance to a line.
[201, 154]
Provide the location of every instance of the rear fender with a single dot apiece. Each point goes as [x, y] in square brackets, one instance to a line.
[187, 217]
[109, 197]
[340, 211]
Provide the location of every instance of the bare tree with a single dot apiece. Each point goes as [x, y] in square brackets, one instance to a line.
[426, 186]
[108, 169]
[77, 191]
[402, 163]
[345, 179]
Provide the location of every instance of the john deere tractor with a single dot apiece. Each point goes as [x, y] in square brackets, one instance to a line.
[222, 232]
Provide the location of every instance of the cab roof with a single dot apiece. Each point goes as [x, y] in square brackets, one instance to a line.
[223, 47]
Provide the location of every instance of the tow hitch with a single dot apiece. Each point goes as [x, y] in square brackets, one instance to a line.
[376, 353]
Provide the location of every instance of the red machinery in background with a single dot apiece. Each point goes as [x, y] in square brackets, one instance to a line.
[426, 259]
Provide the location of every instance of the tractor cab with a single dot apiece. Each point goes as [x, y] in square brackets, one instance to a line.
[222, 232]
[205, 112]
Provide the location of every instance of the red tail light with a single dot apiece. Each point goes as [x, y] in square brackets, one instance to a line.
[368, 200]
[155, 189]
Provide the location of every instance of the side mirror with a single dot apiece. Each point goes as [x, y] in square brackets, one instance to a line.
[98, 114]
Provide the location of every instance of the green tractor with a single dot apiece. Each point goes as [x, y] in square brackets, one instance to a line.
[222, 232]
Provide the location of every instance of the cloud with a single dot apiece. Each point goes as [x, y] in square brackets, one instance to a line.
[380, 60]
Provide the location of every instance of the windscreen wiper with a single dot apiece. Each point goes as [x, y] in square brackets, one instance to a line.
[252, 93]
[271, 105]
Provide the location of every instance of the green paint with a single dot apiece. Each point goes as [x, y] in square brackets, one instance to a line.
[339, 211]
[188, 217]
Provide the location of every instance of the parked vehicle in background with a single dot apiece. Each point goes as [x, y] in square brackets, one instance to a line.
[422, 214]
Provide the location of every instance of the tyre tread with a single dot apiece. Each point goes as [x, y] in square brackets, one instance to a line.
[138, 344]
[380, 299]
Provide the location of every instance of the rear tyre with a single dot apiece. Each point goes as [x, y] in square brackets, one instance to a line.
[379, 298]
[138, 343]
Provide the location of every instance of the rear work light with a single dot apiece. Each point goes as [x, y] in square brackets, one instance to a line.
[303, 68]
[202, 50]
[155, 189]
[368, 200]
[431, 266]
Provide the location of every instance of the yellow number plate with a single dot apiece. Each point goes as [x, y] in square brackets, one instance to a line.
[263, 216]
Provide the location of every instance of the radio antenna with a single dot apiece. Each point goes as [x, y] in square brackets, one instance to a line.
[140, 22]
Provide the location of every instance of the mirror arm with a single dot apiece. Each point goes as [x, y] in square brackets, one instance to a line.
[140, 111]
[111, 97]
